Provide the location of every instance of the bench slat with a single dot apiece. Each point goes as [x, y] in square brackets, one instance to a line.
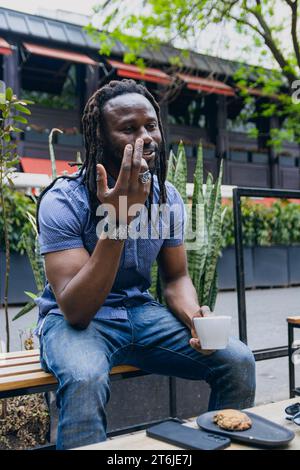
[40, 377]
[123, 369]
[18, 370]
[17, 354]
[29, 368]
[26, 380]
[19, 362]
[22, 369]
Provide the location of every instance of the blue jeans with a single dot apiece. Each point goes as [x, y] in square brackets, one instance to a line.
[152, 339]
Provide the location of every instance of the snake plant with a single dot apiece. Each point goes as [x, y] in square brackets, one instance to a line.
[205, 224]
[203, 234]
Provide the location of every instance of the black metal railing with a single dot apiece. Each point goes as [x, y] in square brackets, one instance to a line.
[238, 193]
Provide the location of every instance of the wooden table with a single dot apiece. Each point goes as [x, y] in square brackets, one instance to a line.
[139, 440]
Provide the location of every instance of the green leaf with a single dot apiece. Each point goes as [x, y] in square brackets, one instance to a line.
[9, 94]
[25, 102]
[10, 181]
[27, 308]
[21, 108]
[171, 167]
[21, 119]
[31, 295]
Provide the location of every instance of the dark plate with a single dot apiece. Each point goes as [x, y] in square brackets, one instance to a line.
[263, 432]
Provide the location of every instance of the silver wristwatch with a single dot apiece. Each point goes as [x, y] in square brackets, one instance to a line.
[119, 233]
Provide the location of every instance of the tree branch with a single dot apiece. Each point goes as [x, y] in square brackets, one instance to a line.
[269, 40]
[294, 8]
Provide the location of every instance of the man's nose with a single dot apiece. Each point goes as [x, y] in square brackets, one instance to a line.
[145, 136]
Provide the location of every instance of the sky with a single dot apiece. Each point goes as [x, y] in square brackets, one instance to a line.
[31, 6]
[210, 41]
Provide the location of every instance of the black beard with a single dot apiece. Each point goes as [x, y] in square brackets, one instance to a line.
[113, 155]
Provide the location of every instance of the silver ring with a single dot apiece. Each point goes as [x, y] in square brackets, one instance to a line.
[145, 177]
[97, 177]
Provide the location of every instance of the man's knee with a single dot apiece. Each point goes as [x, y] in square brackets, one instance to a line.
[87, 378]
[242, 360]
[242, 372]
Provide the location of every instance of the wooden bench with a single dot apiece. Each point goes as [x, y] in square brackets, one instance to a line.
[21, 374]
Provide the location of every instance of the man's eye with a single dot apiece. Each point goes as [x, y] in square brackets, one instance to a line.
[152, 126]
[128, 129]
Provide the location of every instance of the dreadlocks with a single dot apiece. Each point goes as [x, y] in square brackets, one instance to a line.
[93, 127]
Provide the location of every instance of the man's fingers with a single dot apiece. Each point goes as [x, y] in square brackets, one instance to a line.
[195, 344]
[205, 311]
[101, 178]
[137, 160]
[125, 170]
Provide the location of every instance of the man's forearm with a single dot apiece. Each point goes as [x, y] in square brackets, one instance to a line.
[87, 291]
[182, 299]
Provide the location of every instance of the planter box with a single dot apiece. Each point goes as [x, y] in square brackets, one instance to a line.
[238, 156]
[20, 278]
[294, 264]
[270, 265]
[34, 136]
[227, 268]
[287, 160]
[209, 153]
[75, 140]
[260, 158]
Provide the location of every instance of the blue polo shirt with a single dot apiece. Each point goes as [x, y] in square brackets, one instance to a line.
[66, 222]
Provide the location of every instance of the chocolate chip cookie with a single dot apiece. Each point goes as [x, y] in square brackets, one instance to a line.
[232, 420]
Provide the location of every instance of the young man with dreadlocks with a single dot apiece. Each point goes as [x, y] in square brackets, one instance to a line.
[96, 311]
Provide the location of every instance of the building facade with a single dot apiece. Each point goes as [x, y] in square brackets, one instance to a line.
[57, 65]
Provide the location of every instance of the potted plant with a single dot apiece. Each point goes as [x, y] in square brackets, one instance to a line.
[209, 152]
[21, 278]
[286, 159]
[10, 106]
[227, 263]
[20, 425]
[260, 157]
[70, 136]
[35, 133]
[204, 225]
[291, 222]
[270, 255]
[238, 155]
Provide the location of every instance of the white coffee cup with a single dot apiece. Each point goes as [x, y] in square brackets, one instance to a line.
[213, 331]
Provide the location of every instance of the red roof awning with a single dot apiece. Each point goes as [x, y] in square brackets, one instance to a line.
[43, 166]
[59, 54]
[5, 48]
[206, 84]
[132, 71]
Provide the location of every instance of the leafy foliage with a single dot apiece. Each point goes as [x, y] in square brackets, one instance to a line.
[277, 224]
[18, 225]
[10, 109]
[273, 37]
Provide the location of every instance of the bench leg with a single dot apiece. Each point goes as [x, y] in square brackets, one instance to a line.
[172, 397]
[291, 365]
